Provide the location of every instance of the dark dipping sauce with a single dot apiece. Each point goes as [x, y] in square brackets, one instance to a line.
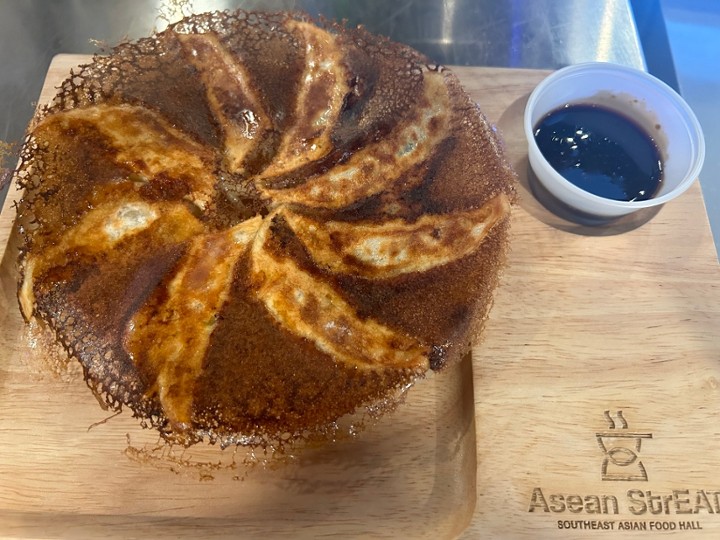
[601, 151]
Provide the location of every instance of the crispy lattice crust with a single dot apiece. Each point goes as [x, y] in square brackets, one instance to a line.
[464, 171]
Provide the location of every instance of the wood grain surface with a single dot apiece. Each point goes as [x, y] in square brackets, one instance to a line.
[589, 410]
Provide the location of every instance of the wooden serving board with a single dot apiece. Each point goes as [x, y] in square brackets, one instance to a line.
[590, 408]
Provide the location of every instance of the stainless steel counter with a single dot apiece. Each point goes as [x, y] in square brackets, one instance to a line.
[512, 33]
[693, 30]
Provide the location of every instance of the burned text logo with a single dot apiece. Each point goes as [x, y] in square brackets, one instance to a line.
[626, 507]
[622, 450]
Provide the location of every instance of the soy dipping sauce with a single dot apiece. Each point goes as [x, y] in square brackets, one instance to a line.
[601, 151]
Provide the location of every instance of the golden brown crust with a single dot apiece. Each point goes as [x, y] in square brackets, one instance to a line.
[250, 225]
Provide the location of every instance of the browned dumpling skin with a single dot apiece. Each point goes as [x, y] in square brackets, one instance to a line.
[323, 224]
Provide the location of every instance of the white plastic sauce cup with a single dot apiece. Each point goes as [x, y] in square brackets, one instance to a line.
[652, 104]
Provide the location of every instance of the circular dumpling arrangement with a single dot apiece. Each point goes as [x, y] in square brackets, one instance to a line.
[250, 225]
